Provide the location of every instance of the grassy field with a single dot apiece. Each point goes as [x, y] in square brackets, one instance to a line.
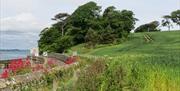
[137, 65]
[163, 43]
[133, 65]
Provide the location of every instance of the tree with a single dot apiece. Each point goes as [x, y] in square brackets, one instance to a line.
[108, 11]
[91, 38]
[48, 36]
[62, 44]
[152, 26]
[62, 19]
[120, 21]
[82, 19]
[166, 22]
[107, 35]
[149, 27]
[175, 17]
[86, 25]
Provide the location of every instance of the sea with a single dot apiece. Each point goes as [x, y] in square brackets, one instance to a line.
[7, 54]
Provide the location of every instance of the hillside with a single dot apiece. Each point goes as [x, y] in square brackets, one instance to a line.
[163, 43]
[136, 64]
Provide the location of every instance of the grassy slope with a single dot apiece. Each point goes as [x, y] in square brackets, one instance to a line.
[164, 43]
[157, 64]
[134, 65]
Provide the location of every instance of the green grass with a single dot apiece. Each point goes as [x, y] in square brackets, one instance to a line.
[152, 66]
[133, 65]
[164, 43]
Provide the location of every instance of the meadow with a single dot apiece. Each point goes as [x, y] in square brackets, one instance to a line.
[137, 65]
[133, 65]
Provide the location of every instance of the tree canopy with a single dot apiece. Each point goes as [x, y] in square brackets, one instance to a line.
[87, 25]
[174, 17]
[149, 27]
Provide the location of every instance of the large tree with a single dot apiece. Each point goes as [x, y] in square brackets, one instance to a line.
[175, 17]
[86, 24]
[48, 36]
[91, 38]
[120, 20]
[62, 19]
[81, 20]
[149, 27]
[166, 22]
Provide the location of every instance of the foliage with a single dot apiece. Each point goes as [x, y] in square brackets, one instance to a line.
[149, 27]
[86, 24]
[167, 21]
[62, 43]
[90, 78]
[136, 65]
[107, 36]
[21, 66]
[16, 66]
[175, 17]
[48, 37]
[114, 79]
[133, 65]
[91, 38]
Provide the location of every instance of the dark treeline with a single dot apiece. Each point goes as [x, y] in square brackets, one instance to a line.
[87, 25]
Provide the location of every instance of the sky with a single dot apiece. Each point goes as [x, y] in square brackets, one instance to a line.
[22, 20]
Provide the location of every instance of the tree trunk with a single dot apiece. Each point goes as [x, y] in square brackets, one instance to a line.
[62, 29]
[169, 28]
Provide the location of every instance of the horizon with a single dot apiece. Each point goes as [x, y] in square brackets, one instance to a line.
[14, 49]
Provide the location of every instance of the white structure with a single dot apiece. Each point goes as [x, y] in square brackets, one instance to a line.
[45, 54]
[34, 52]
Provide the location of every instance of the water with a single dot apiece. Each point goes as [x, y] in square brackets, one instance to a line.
[1, 70]
[13, 54]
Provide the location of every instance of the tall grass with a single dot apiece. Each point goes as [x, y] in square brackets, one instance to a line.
[130, 66]
[136, 73]
[136, 65]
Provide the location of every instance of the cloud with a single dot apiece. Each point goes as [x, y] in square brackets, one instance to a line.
[22, 30]
[24, 22]
[18, 40]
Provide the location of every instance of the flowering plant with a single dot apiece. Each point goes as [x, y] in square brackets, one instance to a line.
[21, 66]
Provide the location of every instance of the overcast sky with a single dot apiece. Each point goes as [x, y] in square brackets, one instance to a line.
[22, 20]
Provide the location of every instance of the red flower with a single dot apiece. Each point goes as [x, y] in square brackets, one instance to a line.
[52, 62]
[70, 60]
[5, 73]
